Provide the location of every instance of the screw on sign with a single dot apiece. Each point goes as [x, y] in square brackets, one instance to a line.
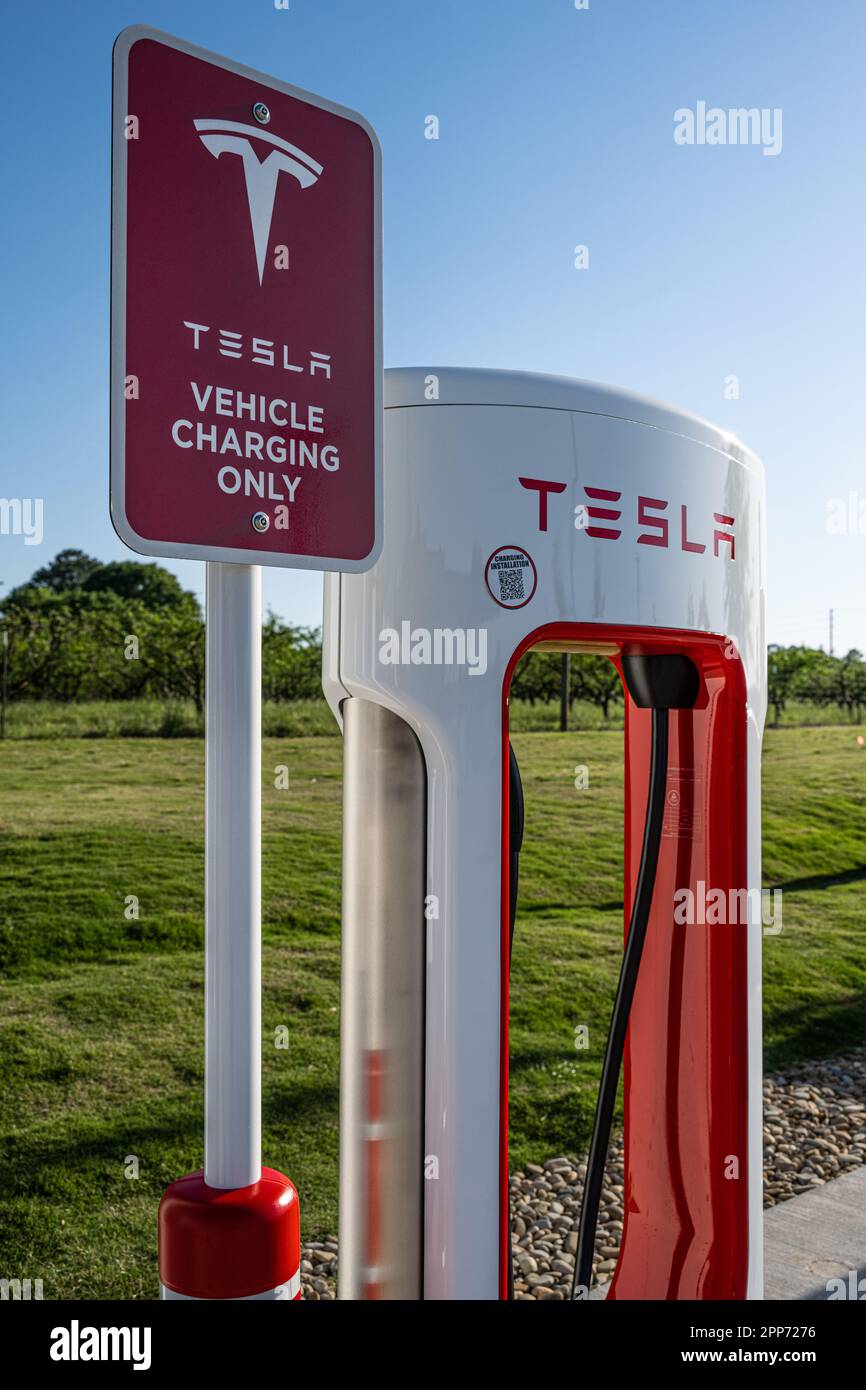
[246, 429]
[246, 321]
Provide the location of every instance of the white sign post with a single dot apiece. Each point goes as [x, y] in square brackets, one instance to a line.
[246, 429]
[233, 854]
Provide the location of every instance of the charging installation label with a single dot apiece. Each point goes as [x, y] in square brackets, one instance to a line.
[682, 816]
[511, 576]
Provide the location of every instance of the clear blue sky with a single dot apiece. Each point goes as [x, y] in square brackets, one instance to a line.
[556, 129]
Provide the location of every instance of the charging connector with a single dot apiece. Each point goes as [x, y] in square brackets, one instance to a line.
[659, 682]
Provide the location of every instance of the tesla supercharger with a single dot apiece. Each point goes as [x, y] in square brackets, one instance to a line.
[524, 512]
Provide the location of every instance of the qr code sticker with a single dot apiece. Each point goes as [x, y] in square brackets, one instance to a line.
[511, 586]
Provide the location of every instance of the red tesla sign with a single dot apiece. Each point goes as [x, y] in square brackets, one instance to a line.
[246, 314]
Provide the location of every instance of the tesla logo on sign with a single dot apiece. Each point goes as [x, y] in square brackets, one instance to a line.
[230, 137]
[246, 394]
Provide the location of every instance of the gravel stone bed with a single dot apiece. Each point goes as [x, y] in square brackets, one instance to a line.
[319, 1269]
[814, 1130]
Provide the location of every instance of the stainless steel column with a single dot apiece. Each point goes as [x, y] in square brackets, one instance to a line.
[382, 1021]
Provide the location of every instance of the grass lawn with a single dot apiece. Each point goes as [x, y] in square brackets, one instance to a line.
[164, 718]
[101, 1014]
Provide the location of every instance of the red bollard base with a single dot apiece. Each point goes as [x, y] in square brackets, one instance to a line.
[239, 1243]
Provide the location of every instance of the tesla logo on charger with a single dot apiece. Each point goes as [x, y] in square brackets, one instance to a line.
[601, 517]
[261, 175]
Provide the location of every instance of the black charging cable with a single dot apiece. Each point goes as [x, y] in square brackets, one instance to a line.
[659, 683]
[628, 974]
[515, 841]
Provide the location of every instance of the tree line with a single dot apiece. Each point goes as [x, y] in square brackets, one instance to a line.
[795, 675]
[82, 630]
